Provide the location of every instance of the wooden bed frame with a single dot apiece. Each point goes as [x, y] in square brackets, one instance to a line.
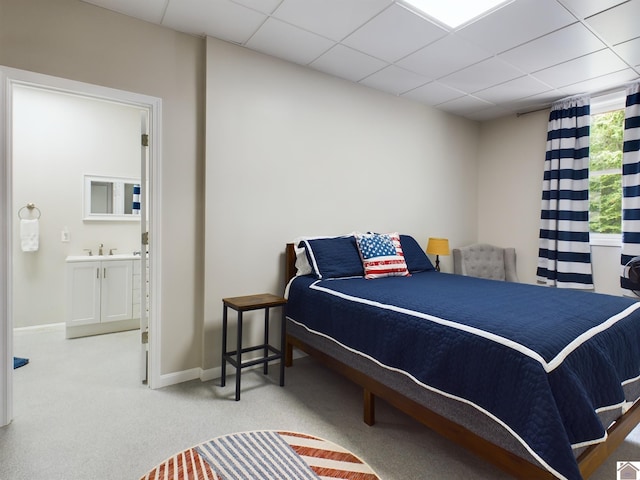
[516, 466]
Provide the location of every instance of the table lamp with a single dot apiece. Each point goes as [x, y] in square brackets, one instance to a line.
[437, 247]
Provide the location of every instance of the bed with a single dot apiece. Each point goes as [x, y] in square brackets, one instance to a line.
[541, 382]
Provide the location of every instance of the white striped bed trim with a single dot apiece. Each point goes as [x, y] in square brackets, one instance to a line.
[548, 366]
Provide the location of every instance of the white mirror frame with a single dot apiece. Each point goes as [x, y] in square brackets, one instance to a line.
[118, 200]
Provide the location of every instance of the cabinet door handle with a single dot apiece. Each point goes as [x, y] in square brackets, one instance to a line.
[104, 272]
[98, 272]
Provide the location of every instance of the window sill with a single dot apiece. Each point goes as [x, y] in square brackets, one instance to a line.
[606, 239]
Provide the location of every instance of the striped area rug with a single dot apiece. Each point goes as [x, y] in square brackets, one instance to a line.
[266, 455]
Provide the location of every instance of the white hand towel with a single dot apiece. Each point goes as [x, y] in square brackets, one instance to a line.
[29, 235]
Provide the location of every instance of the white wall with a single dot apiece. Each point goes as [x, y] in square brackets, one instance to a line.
[292, 151]
[511, 167]
[79, 41]
[57, 139]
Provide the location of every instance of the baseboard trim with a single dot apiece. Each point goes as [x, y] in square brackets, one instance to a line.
[215, 373]
[207, 375]
[78, 331]
[40, 328]
[168, 379]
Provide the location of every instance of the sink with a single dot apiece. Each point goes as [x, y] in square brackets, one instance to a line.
[101, 258]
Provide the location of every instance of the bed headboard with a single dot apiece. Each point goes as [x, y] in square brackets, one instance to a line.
[289, 262]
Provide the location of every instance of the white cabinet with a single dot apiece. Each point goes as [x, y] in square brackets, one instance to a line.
[83, 293]
[100, 296]
[116, 290]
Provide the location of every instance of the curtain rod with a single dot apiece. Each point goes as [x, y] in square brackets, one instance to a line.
[592, 94]
[546, 107]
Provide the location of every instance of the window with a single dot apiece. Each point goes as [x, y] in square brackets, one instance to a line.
[605, 168]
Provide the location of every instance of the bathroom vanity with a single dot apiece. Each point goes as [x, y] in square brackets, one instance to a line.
[103, 294]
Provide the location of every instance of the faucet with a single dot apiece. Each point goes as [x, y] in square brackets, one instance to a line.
[100, 249]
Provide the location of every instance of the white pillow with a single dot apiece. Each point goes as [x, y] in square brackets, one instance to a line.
[302, 262]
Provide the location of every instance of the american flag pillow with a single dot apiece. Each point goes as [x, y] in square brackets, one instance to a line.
[381, 255]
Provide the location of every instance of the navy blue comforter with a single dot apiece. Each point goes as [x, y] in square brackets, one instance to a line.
[537, 359]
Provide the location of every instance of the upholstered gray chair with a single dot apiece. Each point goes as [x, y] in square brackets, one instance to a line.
[486, 261]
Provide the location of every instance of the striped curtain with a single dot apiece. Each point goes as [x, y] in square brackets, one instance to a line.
[631, 181]
[564, 255]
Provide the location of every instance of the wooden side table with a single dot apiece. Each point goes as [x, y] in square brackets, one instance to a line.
[261, 301]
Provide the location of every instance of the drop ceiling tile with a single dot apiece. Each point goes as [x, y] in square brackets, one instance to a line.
[583, 68]
[629, 51]
[517, 23]
[599, 84]
[221, 19]
[482, 75]
[394, 80]
[536, 102]
[618, 24]
[433, 93]
[347, 63]
[464, 105]
[264, 6]
[489, 113]
[147, 10]
[393, 34]
[557, 47]
[512, 90]
[334, 19]
[288, 42]
[443, 57]
[586, 8]
[572, 46]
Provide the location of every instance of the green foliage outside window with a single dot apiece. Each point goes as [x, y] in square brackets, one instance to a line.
[605, 172]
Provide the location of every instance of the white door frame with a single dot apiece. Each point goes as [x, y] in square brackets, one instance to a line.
[8, 78]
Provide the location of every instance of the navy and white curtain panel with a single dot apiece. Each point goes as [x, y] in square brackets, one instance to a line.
[631, 182]
[564, 255]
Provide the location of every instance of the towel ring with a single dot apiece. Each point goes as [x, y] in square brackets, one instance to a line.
[31, 207]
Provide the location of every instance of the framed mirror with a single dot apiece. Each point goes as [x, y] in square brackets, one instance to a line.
[111, 198]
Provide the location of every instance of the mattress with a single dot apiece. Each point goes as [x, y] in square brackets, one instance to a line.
[547, 369]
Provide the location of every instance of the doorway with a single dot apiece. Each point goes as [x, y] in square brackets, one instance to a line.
[147, 108]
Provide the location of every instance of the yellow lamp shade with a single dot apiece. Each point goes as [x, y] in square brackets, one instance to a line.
[438, 246]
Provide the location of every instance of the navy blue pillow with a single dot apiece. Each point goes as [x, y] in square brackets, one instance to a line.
[414, 255]
[334, 257]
